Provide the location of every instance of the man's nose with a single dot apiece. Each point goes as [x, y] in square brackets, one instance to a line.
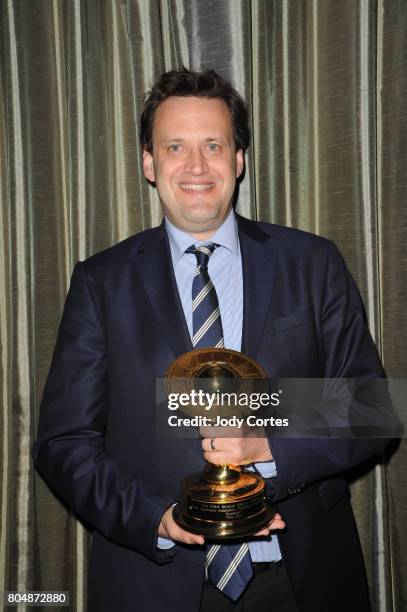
[196, 162]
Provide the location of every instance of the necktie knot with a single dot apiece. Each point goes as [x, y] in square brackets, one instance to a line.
[202, 253]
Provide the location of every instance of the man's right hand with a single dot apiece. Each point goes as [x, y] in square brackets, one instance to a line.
[169, 529]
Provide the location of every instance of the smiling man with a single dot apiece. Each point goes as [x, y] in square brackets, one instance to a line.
[283, 297]
[194, 163]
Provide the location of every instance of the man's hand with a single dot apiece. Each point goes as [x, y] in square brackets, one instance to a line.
[234, 446]
[169, 529]
[276, 523]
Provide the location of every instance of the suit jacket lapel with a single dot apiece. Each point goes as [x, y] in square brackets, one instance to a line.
[154, 265]
[258, 261]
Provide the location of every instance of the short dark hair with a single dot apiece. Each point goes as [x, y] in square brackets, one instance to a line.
[206, 84]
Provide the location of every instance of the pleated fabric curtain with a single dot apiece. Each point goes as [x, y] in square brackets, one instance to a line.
[326, 82]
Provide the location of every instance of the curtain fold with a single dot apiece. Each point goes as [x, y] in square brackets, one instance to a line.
[391, 94]
[326, 83]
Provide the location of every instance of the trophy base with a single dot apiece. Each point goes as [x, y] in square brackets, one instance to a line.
[227, 530]
[223, 502]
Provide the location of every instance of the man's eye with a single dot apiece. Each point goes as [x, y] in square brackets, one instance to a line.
[174, 148]
[213, 146]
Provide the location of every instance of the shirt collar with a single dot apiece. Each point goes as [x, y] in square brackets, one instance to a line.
[226, 235]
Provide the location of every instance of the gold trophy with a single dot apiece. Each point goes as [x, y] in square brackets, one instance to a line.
[225, 501]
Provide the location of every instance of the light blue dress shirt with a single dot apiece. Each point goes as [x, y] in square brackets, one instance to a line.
[225, 271]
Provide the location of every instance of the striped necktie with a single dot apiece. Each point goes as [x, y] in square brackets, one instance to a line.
[228, 566]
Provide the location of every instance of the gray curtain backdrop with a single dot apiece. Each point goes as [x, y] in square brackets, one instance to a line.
[326, 82]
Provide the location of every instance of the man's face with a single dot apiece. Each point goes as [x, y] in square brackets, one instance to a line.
[194, 163]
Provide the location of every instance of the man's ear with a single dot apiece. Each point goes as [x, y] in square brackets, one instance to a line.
[239, 162]
[148, 166]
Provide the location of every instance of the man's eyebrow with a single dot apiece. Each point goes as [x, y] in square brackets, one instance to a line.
[220, 138]
[168, 139]
[208, 139]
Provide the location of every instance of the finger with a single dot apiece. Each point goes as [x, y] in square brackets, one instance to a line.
[266, 530]
[181, 535]
[226, 452]
[263, 532]
[211, 445]
[276, 523]
[224, 444]
[177, 533]
[190, 538]
[221, 458]
[230, 446]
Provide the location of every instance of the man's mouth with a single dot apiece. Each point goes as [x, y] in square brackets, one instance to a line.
[196, 186]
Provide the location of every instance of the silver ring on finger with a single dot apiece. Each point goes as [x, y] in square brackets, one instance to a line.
[213, 448]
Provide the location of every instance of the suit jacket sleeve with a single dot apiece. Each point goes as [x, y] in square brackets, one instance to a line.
[349, 352]
[70, 451]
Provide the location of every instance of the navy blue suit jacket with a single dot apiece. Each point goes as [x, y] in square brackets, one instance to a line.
[122, 326]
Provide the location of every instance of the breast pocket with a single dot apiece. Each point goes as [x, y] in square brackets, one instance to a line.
[299, 317]
[289, 346]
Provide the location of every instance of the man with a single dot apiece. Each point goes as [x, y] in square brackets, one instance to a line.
[285, 299]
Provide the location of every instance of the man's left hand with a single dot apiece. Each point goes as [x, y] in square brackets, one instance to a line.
[234, 446]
